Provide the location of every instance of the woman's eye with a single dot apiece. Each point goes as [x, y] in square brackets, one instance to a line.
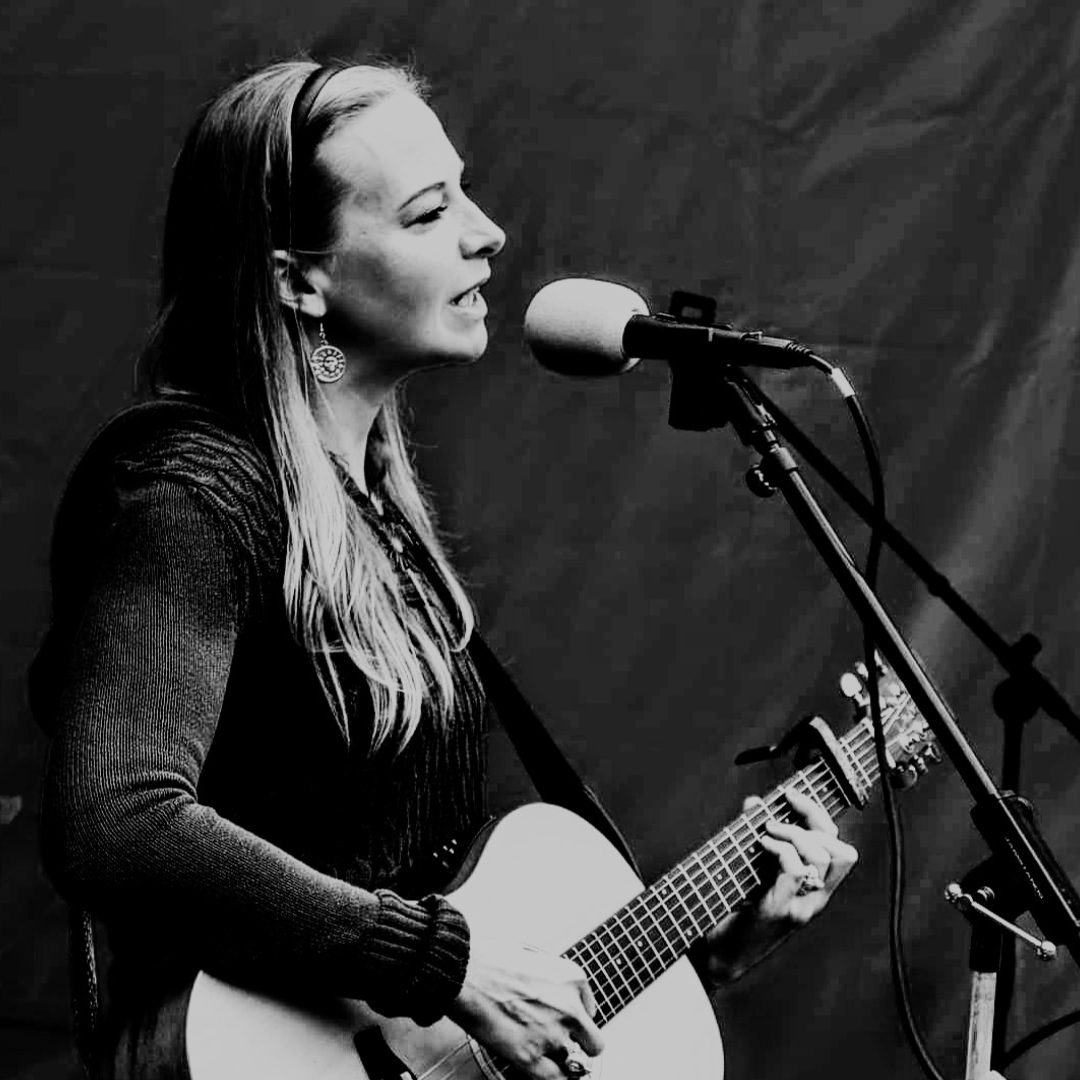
[431, 216]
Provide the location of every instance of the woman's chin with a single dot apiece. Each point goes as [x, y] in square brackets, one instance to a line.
[469, 348]
[445, 360]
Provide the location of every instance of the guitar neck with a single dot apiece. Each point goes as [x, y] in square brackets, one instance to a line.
[637, 944]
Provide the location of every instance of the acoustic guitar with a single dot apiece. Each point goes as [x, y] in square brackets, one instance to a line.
[543, 875]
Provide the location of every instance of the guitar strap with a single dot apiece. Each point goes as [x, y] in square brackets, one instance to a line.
[555, 779]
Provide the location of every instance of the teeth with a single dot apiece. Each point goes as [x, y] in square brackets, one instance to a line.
[468, 299]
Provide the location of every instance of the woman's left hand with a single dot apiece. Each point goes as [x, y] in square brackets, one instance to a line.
[811, 861]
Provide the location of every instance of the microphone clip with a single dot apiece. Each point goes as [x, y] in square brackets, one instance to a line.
[691, 307]
[696, 389]
[705, 396]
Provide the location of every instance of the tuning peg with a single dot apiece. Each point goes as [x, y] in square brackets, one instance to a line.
[860, 670]
[850, 685]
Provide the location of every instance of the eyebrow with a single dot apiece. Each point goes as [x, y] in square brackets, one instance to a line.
[438, 186]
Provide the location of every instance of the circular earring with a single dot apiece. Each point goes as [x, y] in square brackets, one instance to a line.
[327, 362]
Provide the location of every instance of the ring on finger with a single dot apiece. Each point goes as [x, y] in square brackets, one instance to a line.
[572, 1061]
[811, 881]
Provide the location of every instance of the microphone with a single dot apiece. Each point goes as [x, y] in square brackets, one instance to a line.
[590, 328]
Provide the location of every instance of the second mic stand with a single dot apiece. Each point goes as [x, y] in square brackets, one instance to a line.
[703, 399]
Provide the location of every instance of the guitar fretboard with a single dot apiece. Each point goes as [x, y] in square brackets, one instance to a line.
[638, 943]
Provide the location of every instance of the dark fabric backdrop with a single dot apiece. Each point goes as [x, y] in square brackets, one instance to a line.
[894, 183]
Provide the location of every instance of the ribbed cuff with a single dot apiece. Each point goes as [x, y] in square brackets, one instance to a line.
[427, 951]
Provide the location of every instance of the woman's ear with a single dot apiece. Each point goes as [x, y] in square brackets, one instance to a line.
[300, 286]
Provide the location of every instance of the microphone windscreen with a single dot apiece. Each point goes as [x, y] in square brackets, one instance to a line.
[575, 326]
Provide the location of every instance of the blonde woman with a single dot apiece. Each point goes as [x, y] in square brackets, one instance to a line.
[265, 720]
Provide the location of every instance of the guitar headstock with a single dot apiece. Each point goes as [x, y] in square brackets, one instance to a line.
[910, 748]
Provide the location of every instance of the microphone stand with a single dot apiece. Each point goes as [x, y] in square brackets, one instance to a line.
[1025, 689]
[1016, 700]
[709, 398]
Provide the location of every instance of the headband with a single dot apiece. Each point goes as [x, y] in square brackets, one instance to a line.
[302, 105]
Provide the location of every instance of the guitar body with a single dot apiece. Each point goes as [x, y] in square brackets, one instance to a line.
[542, 875]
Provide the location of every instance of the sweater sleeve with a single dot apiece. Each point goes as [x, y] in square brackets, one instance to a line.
[123, 832]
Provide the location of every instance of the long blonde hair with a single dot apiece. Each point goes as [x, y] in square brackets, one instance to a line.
[223, 334]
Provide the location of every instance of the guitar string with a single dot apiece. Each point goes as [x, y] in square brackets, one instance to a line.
[429, 1073]
[860, 752]
[859, 749]
[465, 1049]
[748, 825]
[712, 854]
[707, 859]
[697, 895]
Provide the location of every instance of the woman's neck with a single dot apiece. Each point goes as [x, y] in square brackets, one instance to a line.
[344, 414]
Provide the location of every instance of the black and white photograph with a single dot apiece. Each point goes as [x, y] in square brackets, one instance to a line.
[537, 540]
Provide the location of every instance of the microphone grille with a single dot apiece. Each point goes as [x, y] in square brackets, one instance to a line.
[575, 326]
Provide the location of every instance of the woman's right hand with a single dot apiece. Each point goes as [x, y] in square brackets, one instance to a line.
[530, 1007]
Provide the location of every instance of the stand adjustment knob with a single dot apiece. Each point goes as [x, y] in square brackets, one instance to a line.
[758, 483]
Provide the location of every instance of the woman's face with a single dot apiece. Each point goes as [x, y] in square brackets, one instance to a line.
[412, 248]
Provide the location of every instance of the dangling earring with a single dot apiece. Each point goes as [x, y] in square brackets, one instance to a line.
[327, 362]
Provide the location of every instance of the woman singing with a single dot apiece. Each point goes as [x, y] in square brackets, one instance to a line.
[265, 721]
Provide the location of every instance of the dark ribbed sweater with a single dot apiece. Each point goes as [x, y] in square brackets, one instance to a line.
[200, 798]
